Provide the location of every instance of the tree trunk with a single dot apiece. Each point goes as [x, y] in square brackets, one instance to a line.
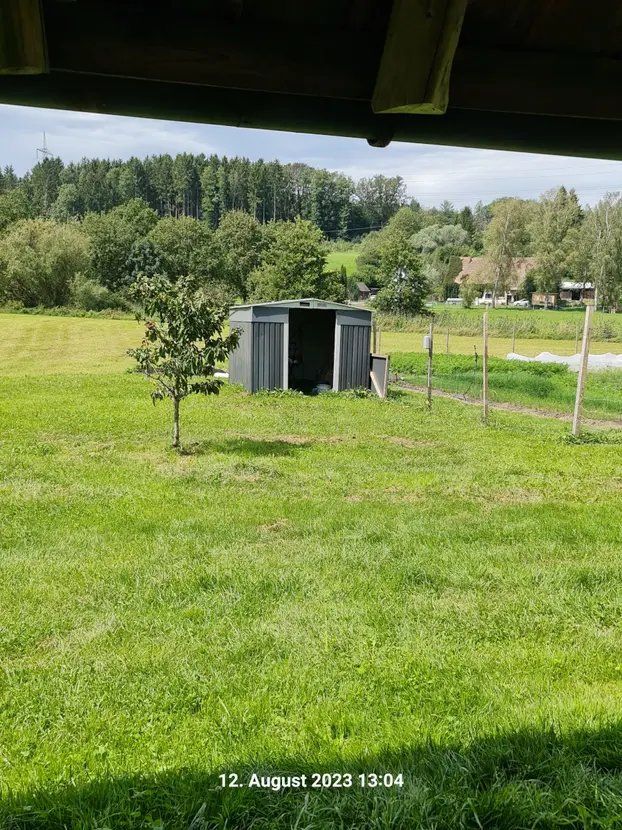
[176, 442]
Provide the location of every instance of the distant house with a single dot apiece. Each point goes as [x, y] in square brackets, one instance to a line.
[363, 291]
[478, 271]
[576, 292]
[544, 299]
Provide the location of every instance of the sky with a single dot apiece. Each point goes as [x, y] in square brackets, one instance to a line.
[431, 173]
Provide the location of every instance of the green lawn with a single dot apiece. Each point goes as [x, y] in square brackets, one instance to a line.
[319, 584]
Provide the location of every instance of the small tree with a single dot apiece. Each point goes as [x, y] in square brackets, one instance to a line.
[183, 340]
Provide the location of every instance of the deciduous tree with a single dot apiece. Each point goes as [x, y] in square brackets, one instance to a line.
[505, 238]
[113, 236]
[293, 264]
[183, 342]
[39, 259]
[556, 215]
[240, 240]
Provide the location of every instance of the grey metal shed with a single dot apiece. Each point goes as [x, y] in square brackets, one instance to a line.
[297, 344]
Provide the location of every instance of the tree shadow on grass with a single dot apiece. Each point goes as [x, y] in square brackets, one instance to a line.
[527, 779]
[245, 447]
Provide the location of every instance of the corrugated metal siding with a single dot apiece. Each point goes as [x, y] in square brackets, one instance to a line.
[267, 356]
[240, 360]
[354, 357]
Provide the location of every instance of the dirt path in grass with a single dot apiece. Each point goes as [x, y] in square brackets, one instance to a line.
[511, 407]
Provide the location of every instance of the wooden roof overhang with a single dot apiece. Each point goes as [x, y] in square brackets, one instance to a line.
[534, 75]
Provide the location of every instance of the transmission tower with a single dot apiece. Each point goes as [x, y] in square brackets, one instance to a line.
[43, 152]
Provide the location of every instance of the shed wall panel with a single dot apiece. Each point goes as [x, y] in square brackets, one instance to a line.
[267, 353]
[240, 360]
[354, 357]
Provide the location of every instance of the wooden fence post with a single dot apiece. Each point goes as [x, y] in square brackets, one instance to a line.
[374, 332]
[513, 338]
[585, 353]
[485, 368]
[430, 353]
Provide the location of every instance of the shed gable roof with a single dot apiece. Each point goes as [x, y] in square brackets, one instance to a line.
[303, 302]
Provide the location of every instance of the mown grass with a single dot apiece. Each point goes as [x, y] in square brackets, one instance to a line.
[317, 584]
[48, 344]
[541, 385]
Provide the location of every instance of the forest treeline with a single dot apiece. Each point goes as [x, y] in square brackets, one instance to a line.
[207, 187]
[80, 234]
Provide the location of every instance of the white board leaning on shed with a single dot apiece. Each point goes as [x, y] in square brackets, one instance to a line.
[302, 344]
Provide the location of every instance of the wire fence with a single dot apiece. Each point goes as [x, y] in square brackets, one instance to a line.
[457, 366]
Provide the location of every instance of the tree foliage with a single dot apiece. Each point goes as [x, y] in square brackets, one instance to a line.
[601, 249]
[405, 285]
[39, 260]
[209, 187]
[14, 206]
[183, 342]
[185, 247]
[241, 241]
[556, 216]
[505, 239]
[294, 265]
[441, 247]
[113, 236]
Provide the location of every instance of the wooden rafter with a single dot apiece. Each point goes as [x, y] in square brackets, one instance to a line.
[22, 38]
[418, 54]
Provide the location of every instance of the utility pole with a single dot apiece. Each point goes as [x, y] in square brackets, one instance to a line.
[485, 368]
[447, 341]
[514, 338]
[585, 353]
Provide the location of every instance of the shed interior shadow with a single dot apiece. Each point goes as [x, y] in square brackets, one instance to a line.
[311, 348]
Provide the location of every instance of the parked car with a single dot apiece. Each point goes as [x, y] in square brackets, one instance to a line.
[485, 299]
[454, 301]
[520, 304]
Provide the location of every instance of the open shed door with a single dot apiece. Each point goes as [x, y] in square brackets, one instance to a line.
[354, 357]
[379, 374]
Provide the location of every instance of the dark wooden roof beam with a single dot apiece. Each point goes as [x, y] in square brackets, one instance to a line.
[418, 53]
[22, 38]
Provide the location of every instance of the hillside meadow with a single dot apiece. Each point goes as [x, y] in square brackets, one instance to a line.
[336, 260]
[329, 584]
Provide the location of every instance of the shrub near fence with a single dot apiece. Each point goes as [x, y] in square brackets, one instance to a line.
[545, 325]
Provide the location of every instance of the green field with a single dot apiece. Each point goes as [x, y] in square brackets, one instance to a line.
[411, 341]
[536, 385]
[317, 585]
[507, 322]
[336, 259]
